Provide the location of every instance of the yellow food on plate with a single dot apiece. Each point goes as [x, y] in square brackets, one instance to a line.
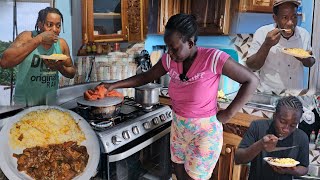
[221, 94]
[44, 127]
[283, 160]
[59, 56]
[298, 51]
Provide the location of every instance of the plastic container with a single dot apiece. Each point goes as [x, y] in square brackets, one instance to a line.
[312, 137]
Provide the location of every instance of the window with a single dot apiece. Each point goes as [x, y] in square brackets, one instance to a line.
[27, 13]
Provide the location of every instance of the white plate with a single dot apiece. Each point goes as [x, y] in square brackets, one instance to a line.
[294, 54]
[54, 57]
[280, 165]
[8, 163]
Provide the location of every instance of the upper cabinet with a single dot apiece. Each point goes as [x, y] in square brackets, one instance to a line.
[263, 6]
[112, 21]
[213, 17]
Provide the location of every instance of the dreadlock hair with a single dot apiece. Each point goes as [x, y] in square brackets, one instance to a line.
[275, 9]
[185, 24]
[290, 102]
[42, 15]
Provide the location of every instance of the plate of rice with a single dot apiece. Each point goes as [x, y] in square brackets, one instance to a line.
[296, 52]
[56, 57]
[281, 162]
[43, 126]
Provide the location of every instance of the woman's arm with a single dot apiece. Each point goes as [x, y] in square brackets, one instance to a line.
[249, 83]
[66, 68]
[21, 47]
[140, 79]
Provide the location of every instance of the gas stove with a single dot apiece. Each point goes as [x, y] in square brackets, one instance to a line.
[132, 122]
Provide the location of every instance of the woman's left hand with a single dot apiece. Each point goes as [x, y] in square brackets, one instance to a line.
[223, 116]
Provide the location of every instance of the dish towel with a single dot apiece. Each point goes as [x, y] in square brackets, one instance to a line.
[308, 105]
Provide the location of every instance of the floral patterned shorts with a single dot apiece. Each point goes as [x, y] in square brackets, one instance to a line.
[196, 143]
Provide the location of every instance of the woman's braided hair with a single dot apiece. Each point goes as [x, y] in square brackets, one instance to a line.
[185, 24]
[290, 102]
[42, 15]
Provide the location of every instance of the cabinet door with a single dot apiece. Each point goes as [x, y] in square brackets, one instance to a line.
[102, 21]
[213, 17]
[167, 9]
[256, 6]
[135, 19]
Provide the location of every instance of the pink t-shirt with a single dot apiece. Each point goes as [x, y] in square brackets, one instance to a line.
[197, 97]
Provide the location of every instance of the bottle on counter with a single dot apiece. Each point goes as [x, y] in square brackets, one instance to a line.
[317, 142]
[312, 137]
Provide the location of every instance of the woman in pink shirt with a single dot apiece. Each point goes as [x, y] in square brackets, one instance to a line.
[196, 130]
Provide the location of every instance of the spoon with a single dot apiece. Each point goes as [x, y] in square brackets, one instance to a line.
[286, 30]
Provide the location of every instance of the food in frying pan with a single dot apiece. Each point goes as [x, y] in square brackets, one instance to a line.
[43, 127]
[100, 92]
[57, 161]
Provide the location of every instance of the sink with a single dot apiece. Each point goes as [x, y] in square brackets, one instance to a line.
[263, 101]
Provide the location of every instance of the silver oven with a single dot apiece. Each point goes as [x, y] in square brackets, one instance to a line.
[145, 158]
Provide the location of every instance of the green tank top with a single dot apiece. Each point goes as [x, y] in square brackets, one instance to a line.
[35, 83]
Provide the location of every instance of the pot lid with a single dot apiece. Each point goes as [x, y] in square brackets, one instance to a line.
[149, 86]
[107, 101]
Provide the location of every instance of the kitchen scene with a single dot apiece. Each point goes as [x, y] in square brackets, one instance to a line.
[83, 122]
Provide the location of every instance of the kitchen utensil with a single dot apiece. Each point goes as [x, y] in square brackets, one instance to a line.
[105, 108]
[282, 148]
[147, 95]
[9, 163]
[286, 30]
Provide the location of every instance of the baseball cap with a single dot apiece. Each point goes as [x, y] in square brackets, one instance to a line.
[278, 2]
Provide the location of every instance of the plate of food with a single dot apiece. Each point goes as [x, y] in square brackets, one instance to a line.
[281, 162]
[56, 57]
[296, 52]
[48, 141]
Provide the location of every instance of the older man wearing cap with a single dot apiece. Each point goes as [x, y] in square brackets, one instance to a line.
[279, 71]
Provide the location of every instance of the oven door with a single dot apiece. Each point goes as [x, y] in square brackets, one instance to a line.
[147, 157]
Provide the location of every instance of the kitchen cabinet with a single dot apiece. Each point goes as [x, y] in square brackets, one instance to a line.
[213, 17]
[263, 6]
[114, 21]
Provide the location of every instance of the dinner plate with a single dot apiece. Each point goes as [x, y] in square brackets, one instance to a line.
[9, 163]
[57, 58]
[267, 159]
[284, 50]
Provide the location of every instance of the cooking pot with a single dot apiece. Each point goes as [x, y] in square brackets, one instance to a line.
[147, 95]
[106, 108]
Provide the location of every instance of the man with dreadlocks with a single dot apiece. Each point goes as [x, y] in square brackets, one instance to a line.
[37, 77]
[264, 135]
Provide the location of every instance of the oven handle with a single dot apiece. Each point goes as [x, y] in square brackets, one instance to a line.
[123, 155]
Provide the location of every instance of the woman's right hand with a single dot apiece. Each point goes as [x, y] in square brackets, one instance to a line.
[269, 142]
[48, 37]
[108, 86]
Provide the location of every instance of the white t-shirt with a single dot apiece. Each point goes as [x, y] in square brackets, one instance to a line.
[280, 71]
